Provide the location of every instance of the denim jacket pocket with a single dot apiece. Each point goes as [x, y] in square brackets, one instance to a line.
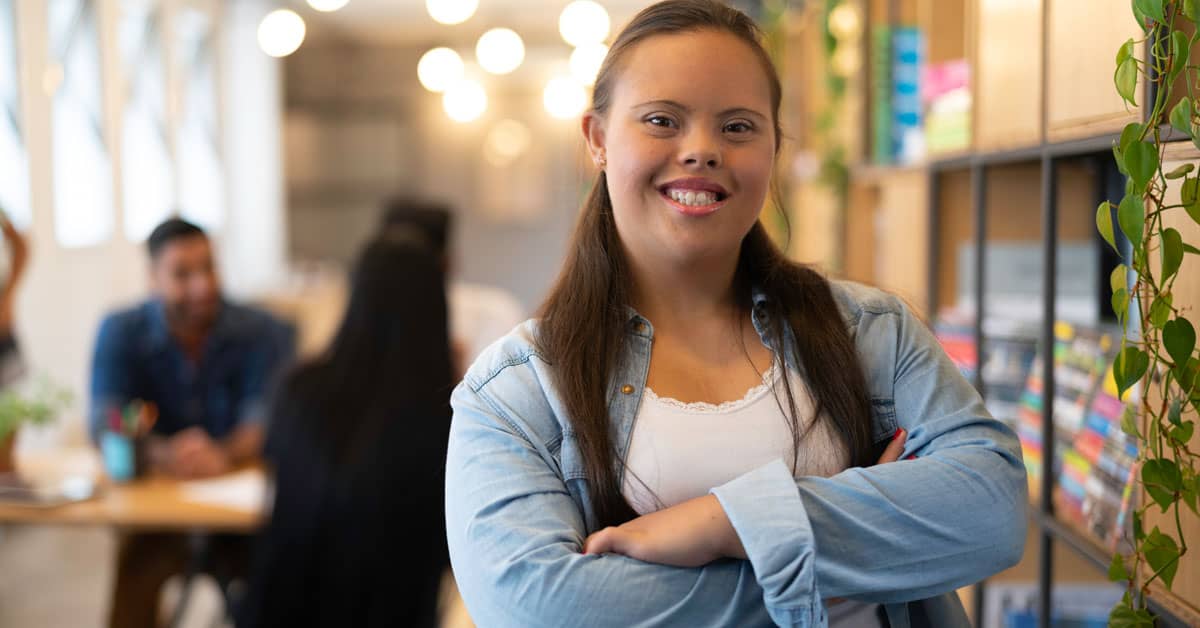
[883, 418]
[570, 459]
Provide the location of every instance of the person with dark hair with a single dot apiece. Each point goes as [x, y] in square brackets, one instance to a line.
[207, 365]
[698, 431]
[479, 314]
[358, 444]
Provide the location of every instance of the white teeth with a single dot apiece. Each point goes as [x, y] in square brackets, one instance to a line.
[692, 198]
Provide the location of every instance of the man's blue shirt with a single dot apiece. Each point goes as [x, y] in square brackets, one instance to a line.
[137, 358]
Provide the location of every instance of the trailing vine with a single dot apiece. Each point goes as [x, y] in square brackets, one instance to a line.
[1158, 359]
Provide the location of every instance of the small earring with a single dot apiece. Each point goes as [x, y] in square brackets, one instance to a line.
[601, 161]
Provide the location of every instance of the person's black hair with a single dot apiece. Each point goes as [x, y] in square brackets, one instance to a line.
[358, 440]
[433, 220]
[170, 230]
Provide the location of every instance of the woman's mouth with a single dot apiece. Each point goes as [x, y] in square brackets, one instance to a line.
[693, 202]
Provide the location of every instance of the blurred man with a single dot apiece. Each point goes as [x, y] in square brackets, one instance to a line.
[479, 314]
[207, 364]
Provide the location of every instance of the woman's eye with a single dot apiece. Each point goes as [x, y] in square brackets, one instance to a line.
[661, 121]
[738, 127]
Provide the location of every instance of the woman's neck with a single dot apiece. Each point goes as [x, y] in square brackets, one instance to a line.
[677, 296]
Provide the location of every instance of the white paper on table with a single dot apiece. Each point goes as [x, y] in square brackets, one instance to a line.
[245, 491]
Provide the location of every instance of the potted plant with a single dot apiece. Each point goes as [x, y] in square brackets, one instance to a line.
[36, 405]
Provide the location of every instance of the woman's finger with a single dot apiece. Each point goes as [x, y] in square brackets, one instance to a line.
[601, 542]
[894, 448]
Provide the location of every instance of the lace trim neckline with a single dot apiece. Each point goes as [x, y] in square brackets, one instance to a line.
[703, 407]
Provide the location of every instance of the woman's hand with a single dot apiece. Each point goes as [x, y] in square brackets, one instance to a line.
[690, 534]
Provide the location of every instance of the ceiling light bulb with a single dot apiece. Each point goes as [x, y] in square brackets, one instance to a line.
[583, 22]
[564, 98]
[586, 61]
[440, 68]
[281, 32]
[451, 11]
[465, 101]
[500, 51]
[327, 6]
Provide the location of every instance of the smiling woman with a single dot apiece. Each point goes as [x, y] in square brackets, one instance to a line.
[690, 396]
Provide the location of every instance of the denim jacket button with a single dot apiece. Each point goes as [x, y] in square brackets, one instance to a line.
[641, 327]
[627, 389]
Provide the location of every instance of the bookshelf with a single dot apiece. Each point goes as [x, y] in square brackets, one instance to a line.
[1020, 192]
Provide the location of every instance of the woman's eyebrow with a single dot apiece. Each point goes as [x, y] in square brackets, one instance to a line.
[684, 108]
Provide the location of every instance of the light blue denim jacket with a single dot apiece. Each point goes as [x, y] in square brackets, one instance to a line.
[518, 504]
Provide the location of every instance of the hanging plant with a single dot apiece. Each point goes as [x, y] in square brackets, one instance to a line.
[1158, 360]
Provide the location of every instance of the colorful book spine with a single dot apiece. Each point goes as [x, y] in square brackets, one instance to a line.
[881, 95]
[908, 138]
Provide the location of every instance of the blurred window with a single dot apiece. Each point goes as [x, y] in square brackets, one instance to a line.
[201, 172]
[14, 165]
[148, 174]
[83, 190]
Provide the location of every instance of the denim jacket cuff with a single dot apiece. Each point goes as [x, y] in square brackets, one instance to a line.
[765, 509]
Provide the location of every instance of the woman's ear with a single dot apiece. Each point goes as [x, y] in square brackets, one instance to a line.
[593, 133]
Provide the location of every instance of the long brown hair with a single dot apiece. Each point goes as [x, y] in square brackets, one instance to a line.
[584, 320]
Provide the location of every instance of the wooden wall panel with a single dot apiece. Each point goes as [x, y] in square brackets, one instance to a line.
[1008, 76]
[955, 229]
[1184, 599]
[1083, 40]
[902, 236]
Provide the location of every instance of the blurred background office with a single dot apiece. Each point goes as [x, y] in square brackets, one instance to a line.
[927, 145]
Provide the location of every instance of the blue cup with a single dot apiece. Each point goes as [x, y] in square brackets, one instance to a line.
[119, 455]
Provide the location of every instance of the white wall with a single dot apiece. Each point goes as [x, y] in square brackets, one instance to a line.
[68, 290]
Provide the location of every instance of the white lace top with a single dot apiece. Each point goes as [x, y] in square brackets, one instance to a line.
[682, 450]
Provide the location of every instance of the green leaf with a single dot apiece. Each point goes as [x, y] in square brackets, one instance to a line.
[1180, 172]
[1189, 495]
[1141, 158]
[1193, 209]
[1163, 554]
[1125, 78]
[1172, 252]
[1104, 224]
[1175, 413]
[1181, 116]
[1187, 248]
[1131, 363]
[1151, 8]
[1125, 51]
[1189, 377]
[1191, 10]
[1120, 303]
[1116, 570]
[1131, 215]
[1182, 434]
[1179, 54]
[1190, 191]
[1131, 133]
[1119, 277]
[1160, 310]
[1179, 337]
[1129, 422]
[1123, 615]
[1161, 478]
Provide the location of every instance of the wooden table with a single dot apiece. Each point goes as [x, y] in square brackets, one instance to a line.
[154, 504]
[151, 504]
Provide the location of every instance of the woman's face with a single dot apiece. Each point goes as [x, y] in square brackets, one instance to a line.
[689, 143]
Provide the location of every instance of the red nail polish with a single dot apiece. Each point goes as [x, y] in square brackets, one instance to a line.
[911, 457]
[899, 431]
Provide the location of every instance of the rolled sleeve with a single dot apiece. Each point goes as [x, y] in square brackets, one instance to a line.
[768, 515]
